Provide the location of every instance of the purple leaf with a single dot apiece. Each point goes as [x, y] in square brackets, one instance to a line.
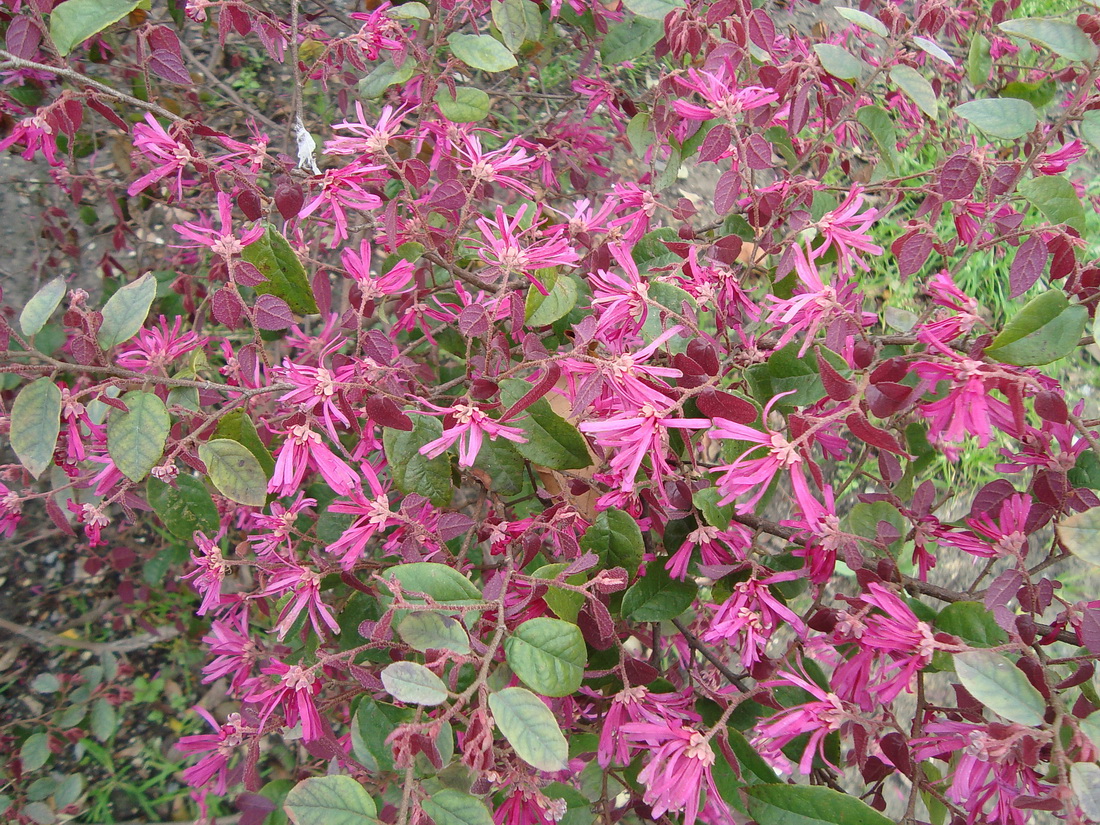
[958, 177]
[758, 152]
[912, 253]
[227, 307]
[168, 66]
[727, 192]
[23, 38]
[1028, 265]
[273, 313]
[247, 274]
[715, 143]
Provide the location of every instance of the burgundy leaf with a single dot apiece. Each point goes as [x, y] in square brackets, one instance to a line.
[1050, 406]
[23, 38]
[249, 203]
[717, 404]
[322, 291]
[639, 671]
[800, 109]
[715, 143]
[912, 252]
[727, 192]
[693, 373]
[452, 525]
[548, 379]
[762, 30]
[727, 249]
[704, 354]
[837, 387]
[758, 152]
[958, 177]
[1027, 802]
[247, 274]
[990, 497]
[384, 411]
[887, 398]
[106, 111]
[1003, 588]
[596, 624]
[416, 172]
[1028, 265]
[273, 313]
[1088, 630]
[168, 66]
[449, 196]
[289, 199]
[473, 320]
[1079, 676]
[1063, 262]
[227, 307]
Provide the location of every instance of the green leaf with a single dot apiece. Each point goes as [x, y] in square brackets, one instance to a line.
[839, 62]
[979, 61]
[653, 9]
[35, 751]
[658, 596]
[753, 766]
[384, 75]
[1056, 199]
[1046, 329]
[234, 471]
[74, 21]
[1080, 533]
[372, 724]
[237, 426]
[104, 720]
[330, 800]
[442, 583]
[530, 728]
[409, 11]
[912, 82]
[707, 501]
[566, 604]
[1038, 94]
[519, 21]
[615, 537]
[876, 121]
[1084, 778]
[273, 255]
[185, 507]
[413, 683]
[863, 20]
[543, 310]
[453, 807]
[504, 466]
[413, 472]
[1064, 39]
[1000, 117]
[930, 47]
[784, 372]
[469, 105]
[126, 310]
[135, 439]
[1001, 686]
[424, 631]
[551, 440]
[548, 655]
[41, 306]
[629, 40]
[808, 805]
[481, 51]
[1090, 127]
[45, 683]
[972, 623]
[35, 424]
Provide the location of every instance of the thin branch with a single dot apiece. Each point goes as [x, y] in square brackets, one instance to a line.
[44, 638]
[695, 644]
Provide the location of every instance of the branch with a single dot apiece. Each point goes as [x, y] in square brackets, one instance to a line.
[695, 644]
[46, 639]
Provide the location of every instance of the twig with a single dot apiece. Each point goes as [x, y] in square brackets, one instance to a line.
[695, 644]
[47, 639]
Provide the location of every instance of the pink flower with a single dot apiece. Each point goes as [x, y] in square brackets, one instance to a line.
[723, 99]
[496, 166]
[818, 718]
[847, 230]
[154, 350]
[234, 650]
[302, 450]
[168, 155]
[1057, 162]
[224, 242]
[637, 704]
[717, 548]
[749, 618]
[507, 251]
[370, 139]
[1005, 537]
[341, 190]
[11, 511]
[305, 585]
[468, 425]
[220, 747]
[293, 693]
[678, 770]
[210, 569]
[372, 516]
[317, 391]
[375, 287]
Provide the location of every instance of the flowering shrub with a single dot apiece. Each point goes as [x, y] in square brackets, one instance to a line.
[519, 489]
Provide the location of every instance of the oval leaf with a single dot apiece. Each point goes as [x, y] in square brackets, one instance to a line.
[548, 655]
[1056, 199]
[912, 82]
[234, 471]
[972, 623]
[808, 805]
[433, 631]
[1028, 265]
[467, 106]
[615, 537]
[442, 583]
[35, 424]
[551, 440]
[652, 9]
[126, 310]
[453, 807]
[657, 596]
[414, 683]
[35, 751]
[999, 685]
[40, 307]
[839, 62]
[481, 51]
[1000, 117]
[277, 261]
[330, 800]
[184, 508]
[74, 21]
[530, 728]
[1044, 342]
[1080, 533]
[518, 21]
[1064, 39]
[413, 472]
[135, 439]
[863, 20]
